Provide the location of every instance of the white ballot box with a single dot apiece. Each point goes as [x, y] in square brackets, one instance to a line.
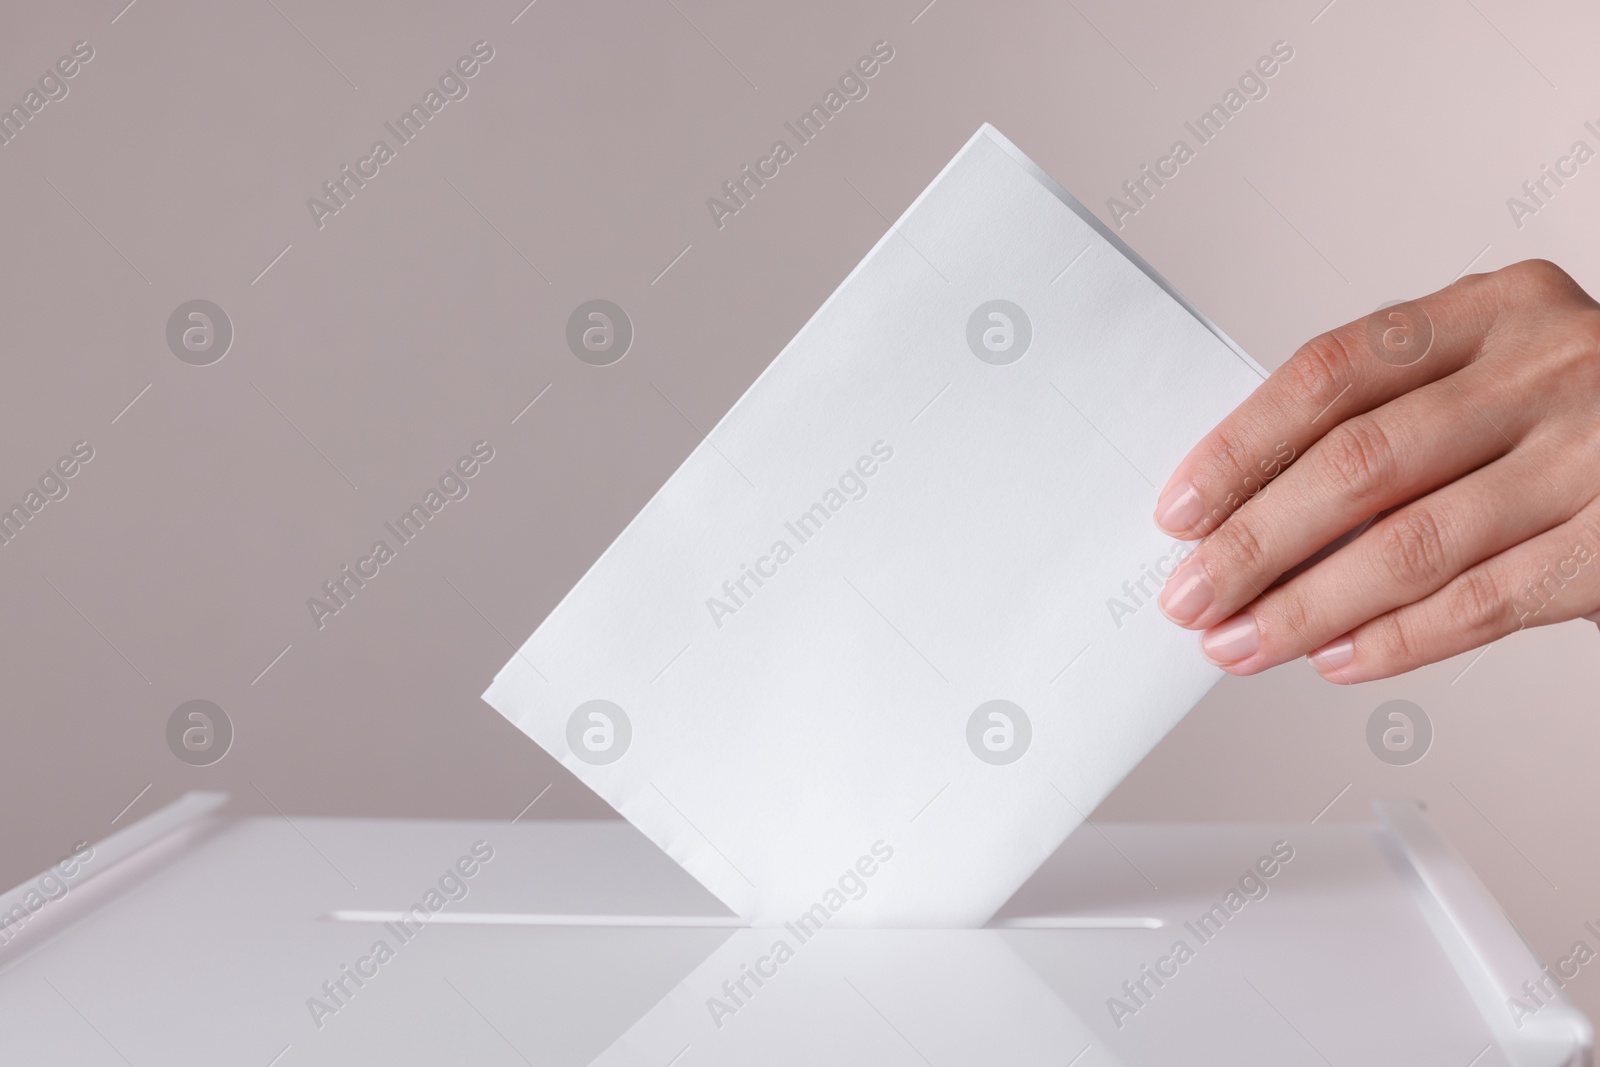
[193, 938]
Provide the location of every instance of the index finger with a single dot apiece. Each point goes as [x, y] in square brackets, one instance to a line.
[1344, 372]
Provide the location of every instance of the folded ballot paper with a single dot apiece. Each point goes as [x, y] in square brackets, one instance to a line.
[889, 633]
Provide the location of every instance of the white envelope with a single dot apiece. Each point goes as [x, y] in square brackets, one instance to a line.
[888, 635]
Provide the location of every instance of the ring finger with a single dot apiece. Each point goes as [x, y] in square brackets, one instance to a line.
[1405, 557]
[1552, 578]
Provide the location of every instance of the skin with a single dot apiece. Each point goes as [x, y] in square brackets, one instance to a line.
[1466, 422]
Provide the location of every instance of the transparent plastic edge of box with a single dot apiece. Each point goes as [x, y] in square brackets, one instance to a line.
[1488, 953]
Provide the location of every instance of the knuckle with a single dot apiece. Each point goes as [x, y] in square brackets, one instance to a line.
[1227, 454]
[1318, 368]
[1288, 622]
[1538, 276]
[1228, 466]
[1537, 283]
[1357, 457]
[1412, 545]
[1236, 545]
[1396, 647]
[1476, 602]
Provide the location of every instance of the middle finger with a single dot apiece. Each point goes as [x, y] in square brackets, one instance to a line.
[1368, 464]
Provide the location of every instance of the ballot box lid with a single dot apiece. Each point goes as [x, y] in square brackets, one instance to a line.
[195, 937]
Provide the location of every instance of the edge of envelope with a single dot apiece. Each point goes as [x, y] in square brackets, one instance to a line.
[1061, 194]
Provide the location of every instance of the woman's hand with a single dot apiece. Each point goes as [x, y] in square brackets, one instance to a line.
[1467, 421]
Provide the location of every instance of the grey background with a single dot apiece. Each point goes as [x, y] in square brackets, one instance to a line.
[428, 314]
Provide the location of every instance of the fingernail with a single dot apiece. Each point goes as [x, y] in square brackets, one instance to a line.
[1232, 641]
[1179, 508]
[1334, 654]
[1186, 596]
